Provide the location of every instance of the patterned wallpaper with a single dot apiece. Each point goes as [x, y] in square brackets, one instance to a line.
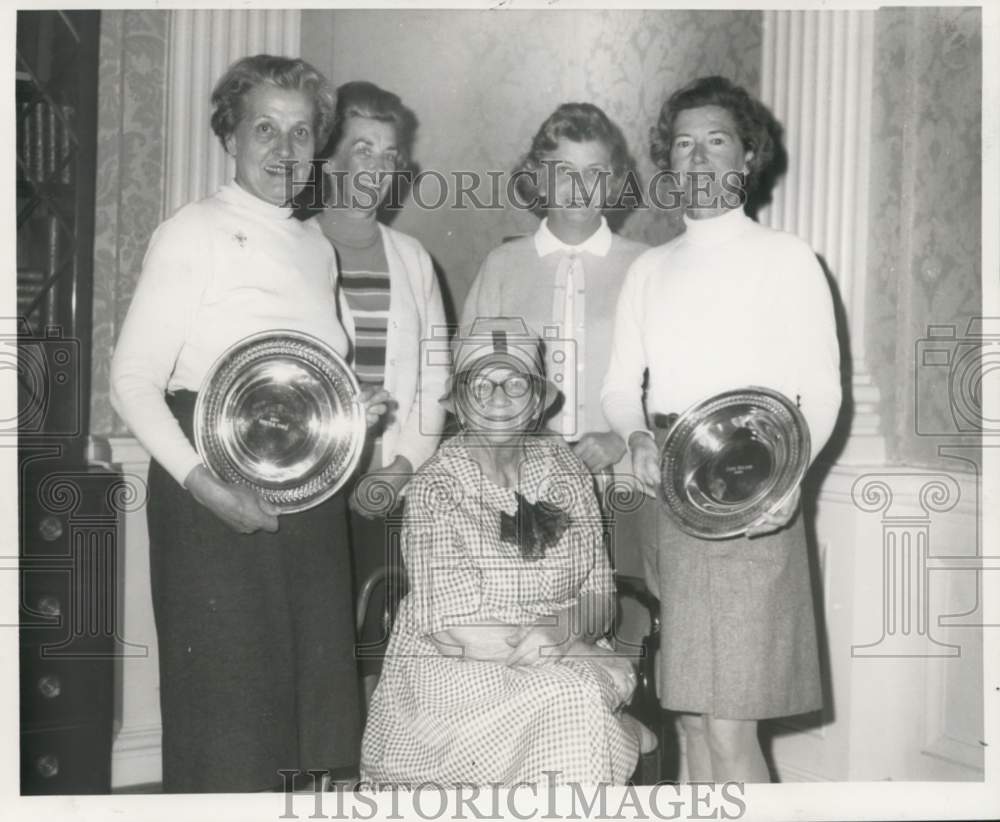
[481, 82]
[129, 179]
[925, 242]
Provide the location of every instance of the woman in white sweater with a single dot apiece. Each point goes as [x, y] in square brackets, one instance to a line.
[253, 615]
[727, 304]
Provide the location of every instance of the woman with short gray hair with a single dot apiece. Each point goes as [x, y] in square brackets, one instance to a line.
[253, 617]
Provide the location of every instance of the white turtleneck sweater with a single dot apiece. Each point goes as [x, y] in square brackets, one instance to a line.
[219, 270]
[727, 304]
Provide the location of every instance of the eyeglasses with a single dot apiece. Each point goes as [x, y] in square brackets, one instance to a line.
[515, 386]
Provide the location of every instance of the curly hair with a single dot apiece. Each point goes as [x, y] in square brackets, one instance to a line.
[758, 129]
[284, 72]
[359, 98]
[579, 122]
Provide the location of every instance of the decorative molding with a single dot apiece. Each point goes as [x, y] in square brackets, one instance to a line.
[957, 752]
[201, 47]
[837, 487]
[939, 741]
[817, 79]
[945, 737]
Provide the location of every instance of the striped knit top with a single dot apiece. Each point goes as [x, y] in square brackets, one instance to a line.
[364, 279]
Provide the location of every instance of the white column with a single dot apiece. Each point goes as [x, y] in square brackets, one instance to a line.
[817, 79]
[202, 44]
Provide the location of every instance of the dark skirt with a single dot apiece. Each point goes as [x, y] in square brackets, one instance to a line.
[738, 623]
[256, 641]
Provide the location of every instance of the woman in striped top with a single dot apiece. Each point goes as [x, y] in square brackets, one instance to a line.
[391, 302]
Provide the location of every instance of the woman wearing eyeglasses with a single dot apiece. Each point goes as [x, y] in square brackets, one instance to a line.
[496, 671]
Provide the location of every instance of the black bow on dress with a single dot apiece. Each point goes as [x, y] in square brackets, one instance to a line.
[534, 527]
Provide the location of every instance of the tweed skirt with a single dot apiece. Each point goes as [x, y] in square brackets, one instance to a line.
[256, 641]
[738, 621]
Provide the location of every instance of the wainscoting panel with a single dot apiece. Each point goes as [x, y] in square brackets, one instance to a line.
[135, 757]
[905, 697]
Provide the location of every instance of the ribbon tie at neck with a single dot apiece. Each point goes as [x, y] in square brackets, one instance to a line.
[534, 527]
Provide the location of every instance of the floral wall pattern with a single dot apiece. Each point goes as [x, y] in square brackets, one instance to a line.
[129, 179]
[925, 236]
[482, 82]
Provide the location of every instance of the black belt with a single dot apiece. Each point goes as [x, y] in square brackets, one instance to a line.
[181, 404]
[664, 421]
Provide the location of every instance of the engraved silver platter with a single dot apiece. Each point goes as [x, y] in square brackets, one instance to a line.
[279, 412]
[730, 459]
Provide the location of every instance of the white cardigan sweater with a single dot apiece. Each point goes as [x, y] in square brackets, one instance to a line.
[416, 320]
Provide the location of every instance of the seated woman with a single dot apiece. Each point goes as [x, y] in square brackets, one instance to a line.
[496, 671]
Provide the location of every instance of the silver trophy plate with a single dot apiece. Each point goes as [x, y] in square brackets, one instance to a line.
[279, 413]
[732, 458]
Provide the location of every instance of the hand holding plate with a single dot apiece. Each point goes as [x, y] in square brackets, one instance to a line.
[375, 402]
[278, 414]
[240, 508]
[778, 518]
[727, 463]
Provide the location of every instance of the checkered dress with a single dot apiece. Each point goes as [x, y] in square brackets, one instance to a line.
[449, 720]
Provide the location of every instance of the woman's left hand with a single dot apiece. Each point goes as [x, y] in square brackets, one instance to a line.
[539, 644]
[376, 403]
[778, 518]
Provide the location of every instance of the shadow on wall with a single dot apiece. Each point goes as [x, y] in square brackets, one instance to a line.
[771, 174]
[769, 730]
